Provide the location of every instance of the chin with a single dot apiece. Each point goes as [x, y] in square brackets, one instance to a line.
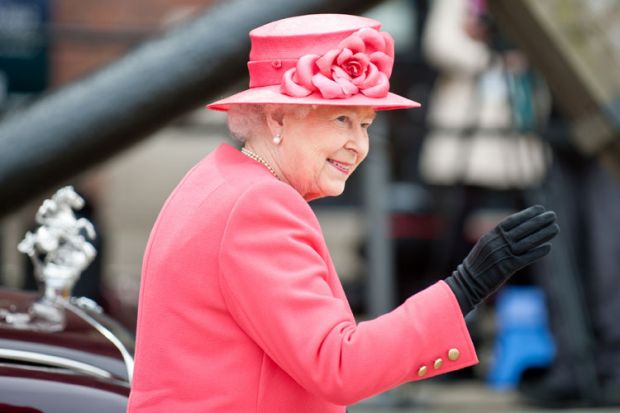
[329, 191]
[335, 190]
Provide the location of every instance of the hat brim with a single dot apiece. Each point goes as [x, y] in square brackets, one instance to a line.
[272, 95]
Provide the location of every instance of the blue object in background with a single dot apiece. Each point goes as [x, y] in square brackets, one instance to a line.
[523, 338]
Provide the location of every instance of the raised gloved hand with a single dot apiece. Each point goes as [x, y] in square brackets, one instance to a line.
[514, 243]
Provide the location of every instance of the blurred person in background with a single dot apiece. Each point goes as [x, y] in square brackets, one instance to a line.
[480, 155]
[476, 137]
[485, 112]
[241, 309]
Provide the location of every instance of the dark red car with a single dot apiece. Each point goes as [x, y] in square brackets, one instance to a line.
[85, 367]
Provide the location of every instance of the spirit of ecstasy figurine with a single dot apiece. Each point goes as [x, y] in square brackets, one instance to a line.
[59, 253]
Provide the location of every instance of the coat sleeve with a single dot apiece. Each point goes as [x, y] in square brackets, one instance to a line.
[273, 279]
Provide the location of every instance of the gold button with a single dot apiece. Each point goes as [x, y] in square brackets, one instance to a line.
[422, 371]
[438, 363]
[454, 354]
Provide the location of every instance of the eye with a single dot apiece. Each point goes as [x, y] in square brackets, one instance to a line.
[343, 119]
[366, 125]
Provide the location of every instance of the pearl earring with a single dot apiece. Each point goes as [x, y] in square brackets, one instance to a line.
[277, 139]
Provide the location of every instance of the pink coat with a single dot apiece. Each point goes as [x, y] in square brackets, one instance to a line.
[241, 309]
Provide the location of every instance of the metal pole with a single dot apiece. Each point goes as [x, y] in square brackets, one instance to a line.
[91, 120]
[380, 283]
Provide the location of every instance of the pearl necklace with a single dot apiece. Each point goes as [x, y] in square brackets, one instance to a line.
[257, 158]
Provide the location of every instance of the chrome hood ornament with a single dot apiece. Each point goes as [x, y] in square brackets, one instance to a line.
[59, 252]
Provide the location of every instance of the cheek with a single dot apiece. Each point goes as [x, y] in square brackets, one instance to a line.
[306, 167]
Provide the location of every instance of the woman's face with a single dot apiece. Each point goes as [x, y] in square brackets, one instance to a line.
[319, 152]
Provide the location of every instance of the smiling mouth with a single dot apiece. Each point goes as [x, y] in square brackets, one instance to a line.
[345, 168]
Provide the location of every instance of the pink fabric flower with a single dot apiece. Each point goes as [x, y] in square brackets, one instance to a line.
[362, 63]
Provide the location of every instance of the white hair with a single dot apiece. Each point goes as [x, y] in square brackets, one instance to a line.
[246, 121]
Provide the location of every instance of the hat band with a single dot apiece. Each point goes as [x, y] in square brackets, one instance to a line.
[361, 63]
[268, 72]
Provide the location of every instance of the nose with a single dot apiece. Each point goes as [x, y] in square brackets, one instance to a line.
[358, 142]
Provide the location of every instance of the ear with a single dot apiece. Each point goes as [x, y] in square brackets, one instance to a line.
[274, 116]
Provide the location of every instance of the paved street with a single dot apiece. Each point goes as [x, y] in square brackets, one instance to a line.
[451, 397]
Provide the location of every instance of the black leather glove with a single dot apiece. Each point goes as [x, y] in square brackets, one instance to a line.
[514, 243]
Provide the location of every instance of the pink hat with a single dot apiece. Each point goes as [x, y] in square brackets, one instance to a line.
[320, 59]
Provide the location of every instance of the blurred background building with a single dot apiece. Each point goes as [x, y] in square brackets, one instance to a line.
[509, 89]
[47, 44]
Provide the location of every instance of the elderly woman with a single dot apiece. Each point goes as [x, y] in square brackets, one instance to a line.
[241, 309]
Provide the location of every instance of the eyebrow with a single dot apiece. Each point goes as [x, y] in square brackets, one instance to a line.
[369, 119]
[352, 112]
